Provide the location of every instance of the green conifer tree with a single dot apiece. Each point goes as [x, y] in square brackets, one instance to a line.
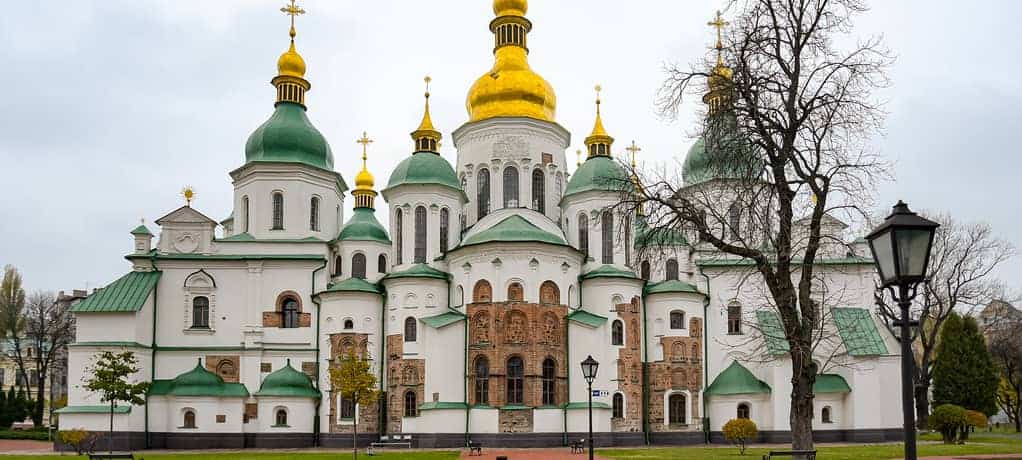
[963, 373]
[5, 419]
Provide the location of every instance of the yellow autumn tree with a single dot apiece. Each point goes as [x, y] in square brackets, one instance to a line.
[353, 380]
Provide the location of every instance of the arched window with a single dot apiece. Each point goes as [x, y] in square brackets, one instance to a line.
[510, 187]
[281, 419]
[410, 329]
[825, 415]
[289, 312]
[549, 293]
[411, 407]
[644, 270]
[515, 292]
[244, 214]
[734, 216]
[677, 319]
[381, 264]
[607, 237]
[743, 411]
[676, 408]
[538, 190]
[734, 319]
[358, 266]
[618, 406]
[482, 292]
[482, 193]
[200, 312]
[278, 211]
[314, 214]
[189, 419]
[672, 269]
[399, 236]
[347, 408]
[338, 262]
[445, 223]
[349, 324]
[482, 386]
[583, 234]
[420, 235]
[515, 375]
[549, 382]
[617, 333]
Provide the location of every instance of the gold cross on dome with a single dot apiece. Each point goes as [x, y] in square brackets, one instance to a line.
[718, 23]
[292, 10]
[633, 149]
[365, 141]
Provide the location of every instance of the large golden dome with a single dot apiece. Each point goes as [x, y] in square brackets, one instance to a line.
[511, 88]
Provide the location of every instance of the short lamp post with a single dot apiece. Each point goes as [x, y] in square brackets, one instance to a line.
[589, 367]
[901, 251]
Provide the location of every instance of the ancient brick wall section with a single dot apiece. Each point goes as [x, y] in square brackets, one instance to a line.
[368, 415]
[403, 375]
[629, 368]
[681, 369]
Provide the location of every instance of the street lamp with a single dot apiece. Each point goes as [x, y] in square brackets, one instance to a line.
[901, 251]
[589, 367]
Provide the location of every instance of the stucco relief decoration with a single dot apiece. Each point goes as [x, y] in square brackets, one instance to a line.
[511, 147]
[186, 242]
[410, 376]
[482, 327]
[550, 328]
[516, 325]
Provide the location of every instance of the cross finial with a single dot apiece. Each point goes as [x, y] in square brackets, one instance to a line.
[718, 23]
[598, 88]
[633, 149]
[292, 10]
[365, 141]
[189, 194]
[428, 79]
[578, 157]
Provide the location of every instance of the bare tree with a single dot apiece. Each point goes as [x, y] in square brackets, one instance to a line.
[49, 328]
[1006, 350]
[787, 137]
[961, 278]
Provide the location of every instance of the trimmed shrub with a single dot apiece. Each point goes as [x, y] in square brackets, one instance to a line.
[948, 419]
[78, 438]
[740, 431]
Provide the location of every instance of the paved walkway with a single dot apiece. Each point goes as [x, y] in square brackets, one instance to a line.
[529, 454]
[20, 446]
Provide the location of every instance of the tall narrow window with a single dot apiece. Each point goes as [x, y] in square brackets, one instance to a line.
[676, 407]
[420, 235]
[482, 193]
[583, 234]
[672, 269]
[410, 329]
[281, 418]
[244, 214]
[734, 214]
[538, 191]
[628, 241]
[734, 319]
[617, 333]
[677, 319]
[278, 211]
[347, 408]
[289, 313]
[189, 419]
[618, 406]
[381, 264]
[607, 235]
[515, 375]
[482, 386]
[549, 382]
[644, 270]
[358, 266]
[743, 411]
[510, 187]
[337, 265]
[445, 223]
[399, 237]
[314, 214]
[825, 415]
[200, 312]
[411, 408]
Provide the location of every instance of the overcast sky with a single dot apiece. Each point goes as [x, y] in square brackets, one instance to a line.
[110, 107]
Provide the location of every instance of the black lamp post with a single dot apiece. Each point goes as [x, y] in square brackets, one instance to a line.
[901, 250]
[589, 367]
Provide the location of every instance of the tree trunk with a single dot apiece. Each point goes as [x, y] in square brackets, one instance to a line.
[801, 415]
[922, 405]
[110, 436]
[37, 408]
[354, 430]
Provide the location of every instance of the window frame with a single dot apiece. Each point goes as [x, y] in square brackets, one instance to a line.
[399, 241]
[677, 417]
[411, 406]
[421, 235]
[671, 270]
[482, 193]
[539, 191]
[617, 405]
[277, 204]
[747, 409]
[381, 264]
[314, 219]
[445, 224]
[734, 319]
[549, 382]
[411, 330]
[607, 237]
[583, 234]
[358, 265]
[512, 194]
[617, 333]
[681, 319]
[277, 422]
[196, 309]
[515, 381]
[482, 381]
[188, 419]
[290, 318]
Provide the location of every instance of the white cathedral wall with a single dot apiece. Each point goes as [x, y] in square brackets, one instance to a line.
[435, 421]
[658, 310]
[371, 250]
[578, 419]
[584, 341]
[593, 204]
[433, 197]
[445, 362]
[206, 409]
[557, 264]
[761, 411]
[299, 414]
[133, 421]
[548, 420]
[875, 401]
[131, 327]
[299, 184]
[484, 420]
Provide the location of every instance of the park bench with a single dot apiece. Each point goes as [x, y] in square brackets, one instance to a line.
[578, 447]
[474, 448]
[394, 441]
[111, 456]
[805, 454]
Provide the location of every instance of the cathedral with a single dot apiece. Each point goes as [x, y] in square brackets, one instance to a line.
[495, 276]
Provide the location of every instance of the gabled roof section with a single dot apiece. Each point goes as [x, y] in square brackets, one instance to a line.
[514, 228]
[859, 332]
[831, 383]
[187, 215]
[126, 295]
[98, 409]
[419, 271]
[609, 271]
[444, 319]
[737, 380]
[586, 319]
[354, 285]
[773, 332]
[670, 286]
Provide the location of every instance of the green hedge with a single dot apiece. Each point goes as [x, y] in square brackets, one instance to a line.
[38, 435]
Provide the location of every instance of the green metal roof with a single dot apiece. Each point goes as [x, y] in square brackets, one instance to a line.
[231, 257]
[443, 319]
[859, 332]
[588, 319]
[736, 380]
[354, 285]
[125, 295]
[733, 158]
[585, 405]
[432, 405]
[289, 137]
[831, 383]
[288, 382]
[609, 271]
[647, 236]
[98, 409]
[245, 237]
[198, 382]
[672, 286]
[121, 344]
[141, 230]
[363, 226]
[773, 332]
[598, 173]
[514, 228]
[424, 168]
[418, 271]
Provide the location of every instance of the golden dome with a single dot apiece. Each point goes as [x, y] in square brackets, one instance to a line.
[291, 63]
[364, 180]
[511, 88]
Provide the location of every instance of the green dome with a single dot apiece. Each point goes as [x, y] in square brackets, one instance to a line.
[197, 377]
[424, 168]
[598, 173]
[289, 137]
[700, 166]
[363, 226]
[287, 381]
